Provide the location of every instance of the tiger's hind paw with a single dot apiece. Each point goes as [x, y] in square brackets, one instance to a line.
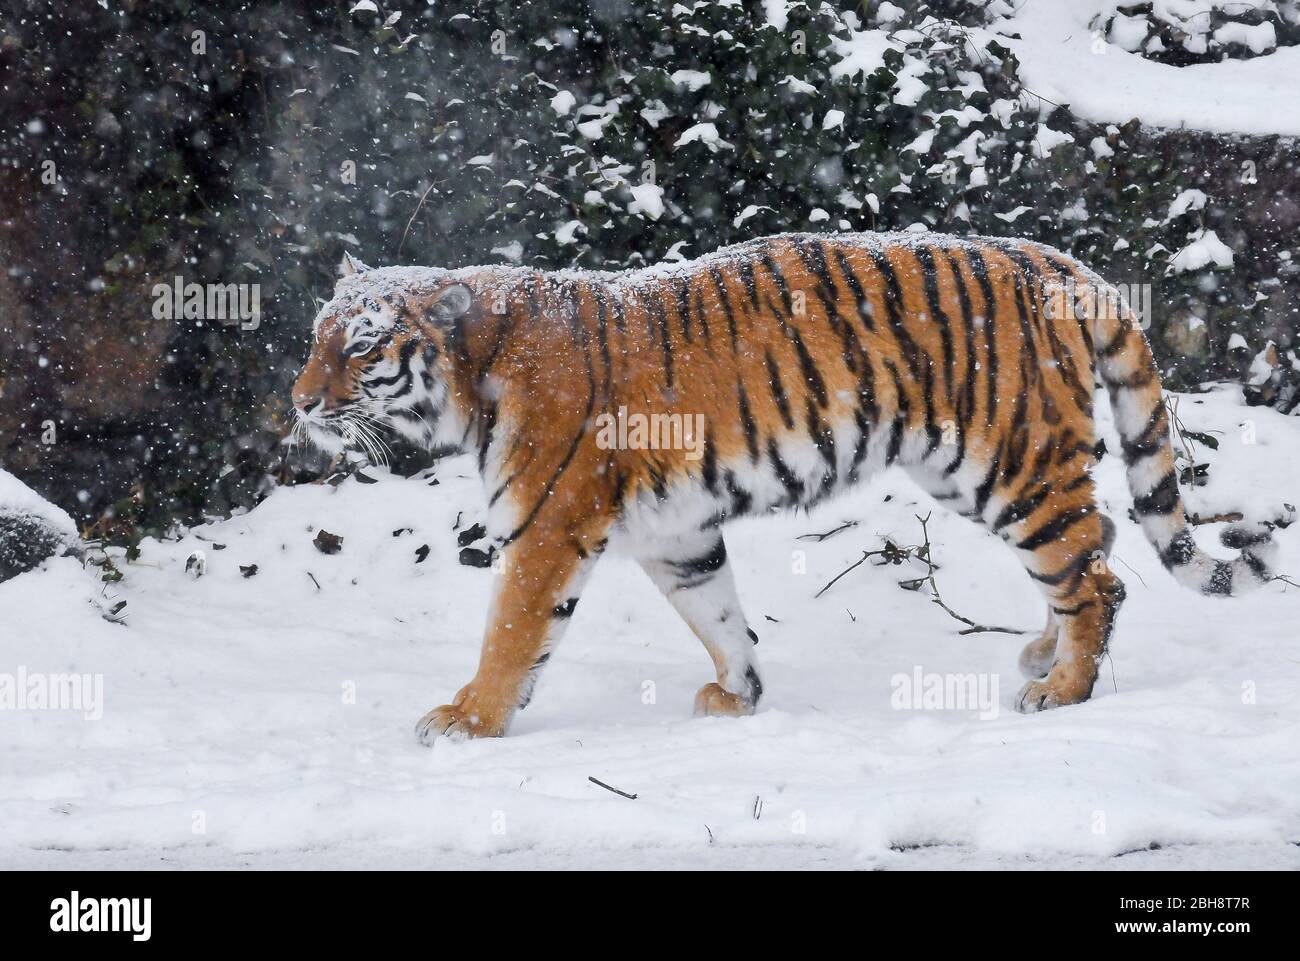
[713, 700]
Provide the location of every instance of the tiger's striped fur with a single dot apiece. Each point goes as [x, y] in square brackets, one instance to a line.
[813, 360]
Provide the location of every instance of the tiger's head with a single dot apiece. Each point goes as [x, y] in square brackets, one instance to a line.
[379, 359]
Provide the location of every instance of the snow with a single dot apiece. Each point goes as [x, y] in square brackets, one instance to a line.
[266, 721]
[1259, 37]
[777, 13]
[1205, 249]
[797, 85]
[647, 199]
[1185, 201]
[1054, 43]
[562, 103]
[692, 80]
[705, 133]
[1064, 59]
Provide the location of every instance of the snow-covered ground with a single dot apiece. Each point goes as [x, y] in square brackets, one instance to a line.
[1066, 59]
[266, 721]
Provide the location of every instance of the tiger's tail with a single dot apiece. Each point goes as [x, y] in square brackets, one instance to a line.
[1128, 370]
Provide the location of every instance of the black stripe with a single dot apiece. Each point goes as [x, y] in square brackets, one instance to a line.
[930, 281]
[709, 461]
[810, 372]
[1070, 575]
[823, 437]
[742, 501]
[1116, 344]
[1161, 499]
[746, 269]
[1151, 439]
[1180, 551]
[702, 314]
[894, 308]
[695, 571]
[661, 317]
[792, 484]
[1141, 377]
[778, 391]
[985, 488]
[602, 333]
[771, 267]
[718, 282]
[814, 261]
[979, 269]
[684, 307]
[1055, 528]
[1073, 611]
[404, 356]
[860, 445]
[965, 407]
[859, 295]
[747, 422]
[487, 425]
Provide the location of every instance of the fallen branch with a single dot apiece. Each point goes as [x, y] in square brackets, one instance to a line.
[614, 790]
[1230, 518]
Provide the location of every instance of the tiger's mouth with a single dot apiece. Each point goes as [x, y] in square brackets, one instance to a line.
[356, 426]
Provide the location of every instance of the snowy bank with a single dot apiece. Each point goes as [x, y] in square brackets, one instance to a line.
[264, 710]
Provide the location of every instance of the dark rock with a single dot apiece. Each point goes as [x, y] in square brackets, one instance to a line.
[328, 543]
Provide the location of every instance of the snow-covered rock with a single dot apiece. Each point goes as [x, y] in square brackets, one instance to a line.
[31, 528]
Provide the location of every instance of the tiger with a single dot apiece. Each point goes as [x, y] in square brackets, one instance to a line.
[809, 362]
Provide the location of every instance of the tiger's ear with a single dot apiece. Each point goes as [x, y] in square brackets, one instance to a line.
[451, 302]
[350, 265]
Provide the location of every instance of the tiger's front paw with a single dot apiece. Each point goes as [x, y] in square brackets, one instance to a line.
[467, 717]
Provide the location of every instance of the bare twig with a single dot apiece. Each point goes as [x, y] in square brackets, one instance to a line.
[831, 583]
[614, 790]
[313, 580]
[416, 213]
[829, 534]
[971, 626]
[1130, 567]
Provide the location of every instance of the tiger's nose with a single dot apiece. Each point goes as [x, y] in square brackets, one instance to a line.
[308, 404]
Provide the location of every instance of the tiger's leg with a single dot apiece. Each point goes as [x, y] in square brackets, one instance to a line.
[694, 575]
[1038, 656]
[534, 595]
[1063, 544]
